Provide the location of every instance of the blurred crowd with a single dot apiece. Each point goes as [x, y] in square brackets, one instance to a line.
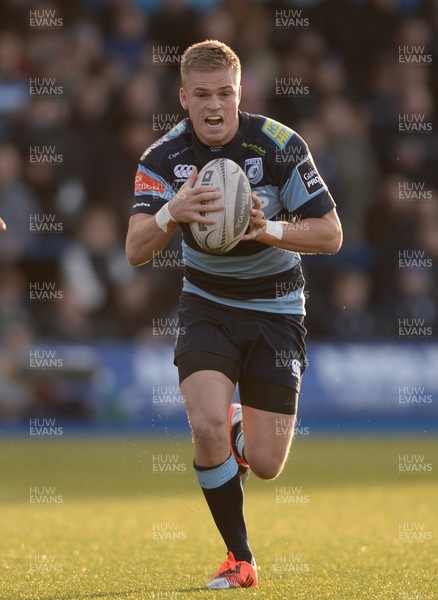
[87, 85]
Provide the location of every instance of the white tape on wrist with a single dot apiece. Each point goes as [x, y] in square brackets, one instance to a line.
[163, 217]
[274, 228]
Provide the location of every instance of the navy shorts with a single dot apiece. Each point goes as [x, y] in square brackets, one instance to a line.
[248, 346]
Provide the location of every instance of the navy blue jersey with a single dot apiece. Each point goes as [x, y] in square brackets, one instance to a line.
[281, 172]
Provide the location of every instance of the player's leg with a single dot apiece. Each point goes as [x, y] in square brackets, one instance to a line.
[269, 388]
[208, 394]
[264, 437]
[208, 360]
[267, 440]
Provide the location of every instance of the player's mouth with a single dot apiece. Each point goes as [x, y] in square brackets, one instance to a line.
[214, 121]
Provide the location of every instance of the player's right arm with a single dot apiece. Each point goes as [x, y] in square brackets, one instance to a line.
[148, 234]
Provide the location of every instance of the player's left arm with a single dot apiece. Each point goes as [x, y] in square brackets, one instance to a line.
[308, 222]
[313, 235]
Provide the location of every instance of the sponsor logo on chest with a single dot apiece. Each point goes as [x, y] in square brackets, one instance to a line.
[182, 172]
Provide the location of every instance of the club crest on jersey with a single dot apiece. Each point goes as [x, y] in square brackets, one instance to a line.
[253, 169]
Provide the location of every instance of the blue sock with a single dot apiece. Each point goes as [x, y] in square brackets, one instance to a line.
[224, 494]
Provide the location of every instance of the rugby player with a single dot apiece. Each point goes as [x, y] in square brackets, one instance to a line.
[242, 313]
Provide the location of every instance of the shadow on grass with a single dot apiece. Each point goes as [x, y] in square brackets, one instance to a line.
[90, 596]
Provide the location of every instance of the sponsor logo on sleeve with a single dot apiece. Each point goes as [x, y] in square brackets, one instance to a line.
[277, 132]
[144, 184]
[253, 169]
[310, 177]
[141, 205]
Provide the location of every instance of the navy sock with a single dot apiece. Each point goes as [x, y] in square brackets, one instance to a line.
[224, 494]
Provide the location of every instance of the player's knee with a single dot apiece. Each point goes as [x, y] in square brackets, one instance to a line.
[266, 467]
[209, 431]
[266, 471]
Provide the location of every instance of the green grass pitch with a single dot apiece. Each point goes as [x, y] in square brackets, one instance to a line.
[95, 519]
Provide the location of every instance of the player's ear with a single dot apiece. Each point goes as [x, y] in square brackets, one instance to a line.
[183, 98]
[239, 95]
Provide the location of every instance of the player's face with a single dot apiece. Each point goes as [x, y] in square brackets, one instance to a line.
[212, 99]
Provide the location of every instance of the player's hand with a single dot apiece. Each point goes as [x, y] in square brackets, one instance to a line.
[2, 225]
[257, 221]
[188, 204]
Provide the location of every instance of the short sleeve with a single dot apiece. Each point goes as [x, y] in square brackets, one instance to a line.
[151, 191]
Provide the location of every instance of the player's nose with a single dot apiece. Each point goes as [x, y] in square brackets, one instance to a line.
[214, 103]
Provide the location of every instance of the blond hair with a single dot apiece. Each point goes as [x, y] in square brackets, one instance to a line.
[210, 55]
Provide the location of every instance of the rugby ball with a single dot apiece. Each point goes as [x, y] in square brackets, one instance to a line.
[232, 222]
